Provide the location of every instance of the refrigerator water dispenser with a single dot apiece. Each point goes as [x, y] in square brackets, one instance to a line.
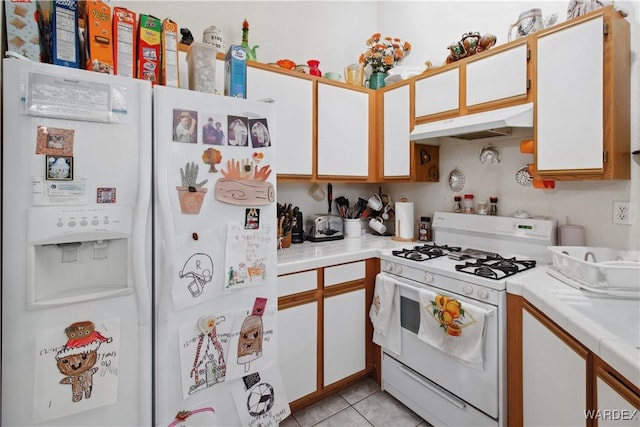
[77, 254]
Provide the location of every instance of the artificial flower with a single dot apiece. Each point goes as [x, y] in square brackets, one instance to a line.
[384, 52]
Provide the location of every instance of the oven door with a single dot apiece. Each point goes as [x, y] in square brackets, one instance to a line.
[452, 378]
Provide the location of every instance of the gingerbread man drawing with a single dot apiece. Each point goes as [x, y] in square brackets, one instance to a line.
[77, 358]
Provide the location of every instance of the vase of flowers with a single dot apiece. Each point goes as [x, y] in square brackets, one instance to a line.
[383, 54]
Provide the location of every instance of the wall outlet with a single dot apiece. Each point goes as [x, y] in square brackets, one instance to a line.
[621, 213]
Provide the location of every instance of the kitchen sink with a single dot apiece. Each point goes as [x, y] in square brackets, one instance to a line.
[620, 316]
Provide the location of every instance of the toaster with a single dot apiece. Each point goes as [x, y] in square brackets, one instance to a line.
[325, 227]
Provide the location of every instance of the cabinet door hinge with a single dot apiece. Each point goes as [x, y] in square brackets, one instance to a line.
[605, 156]
[605, 28]
[528, 84]
[528, 54]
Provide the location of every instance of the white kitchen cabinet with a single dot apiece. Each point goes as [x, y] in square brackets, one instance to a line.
[582, 98]
[343, 132]
[298, 349]
[344, 321]
[344, 335]
[437, 93]
[294, 104]
[554, 375]
[499, 75]
[323, 329]
[396, 122]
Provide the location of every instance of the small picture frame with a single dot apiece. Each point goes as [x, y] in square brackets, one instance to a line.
[106, 195]
[59, 168]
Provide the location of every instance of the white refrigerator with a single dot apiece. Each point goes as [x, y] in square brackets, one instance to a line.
[215, 261]
[76, 289]
[139, 254]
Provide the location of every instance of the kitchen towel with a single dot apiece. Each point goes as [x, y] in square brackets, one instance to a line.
[385, 313]
[404, 220]
[453, 327]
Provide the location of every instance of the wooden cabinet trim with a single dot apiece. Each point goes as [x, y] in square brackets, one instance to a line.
[301, 298]
[343, 288]
[616, 380]
[514, 364]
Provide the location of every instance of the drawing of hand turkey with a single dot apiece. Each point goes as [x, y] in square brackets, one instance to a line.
[233, 170]
[261, 174]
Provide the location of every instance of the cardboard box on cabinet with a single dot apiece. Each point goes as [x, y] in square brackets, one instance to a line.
[22, 28]
[98, 37]
[124, 41]
[235, 72]
[149, 44]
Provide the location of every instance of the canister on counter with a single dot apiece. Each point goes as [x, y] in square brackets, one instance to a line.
[425, 232]
[468, 203]
[457, 204]
[493, 209]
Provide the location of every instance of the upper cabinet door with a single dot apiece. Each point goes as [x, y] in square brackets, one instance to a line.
[569, 105]
[293, 98]
[343, 132]
[497, 76]
[438, 93]
[397, 123]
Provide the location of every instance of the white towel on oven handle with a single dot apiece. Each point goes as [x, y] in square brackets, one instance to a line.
[468, 345]
[385, 314]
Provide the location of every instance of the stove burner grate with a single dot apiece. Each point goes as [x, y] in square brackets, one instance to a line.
[425, 252]
[496, 268]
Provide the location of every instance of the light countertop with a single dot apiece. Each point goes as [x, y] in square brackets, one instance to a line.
[608, 327]
[310, 255]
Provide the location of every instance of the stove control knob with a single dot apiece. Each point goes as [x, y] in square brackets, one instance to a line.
[388, 266]
[482, 293]
[398, 269]
[428, 277]
[468, 290]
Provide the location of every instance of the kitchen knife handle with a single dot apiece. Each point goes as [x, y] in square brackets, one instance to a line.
[330, 195]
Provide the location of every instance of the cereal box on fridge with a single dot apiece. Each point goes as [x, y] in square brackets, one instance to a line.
[65, 45]
[98, 36]
[22, 28]
[149, 34]
[124, 41]
[170, 53]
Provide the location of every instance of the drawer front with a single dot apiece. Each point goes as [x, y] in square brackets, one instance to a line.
[297, 282]
[344, 273]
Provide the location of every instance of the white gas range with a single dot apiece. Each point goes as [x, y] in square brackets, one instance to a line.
[435, 381]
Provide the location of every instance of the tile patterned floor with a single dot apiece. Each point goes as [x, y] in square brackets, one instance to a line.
[361, 405]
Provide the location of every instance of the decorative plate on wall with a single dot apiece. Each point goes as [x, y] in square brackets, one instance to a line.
[456, 180]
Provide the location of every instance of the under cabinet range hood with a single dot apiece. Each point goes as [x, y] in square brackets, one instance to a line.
[494, 123]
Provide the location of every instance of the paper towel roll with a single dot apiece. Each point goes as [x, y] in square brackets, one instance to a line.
[404, 220]
[571, 235]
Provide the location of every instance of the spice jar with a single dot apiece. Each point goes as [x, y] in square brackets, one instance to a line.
[493, 209]
[468, 203]
[424, 233]
[457, 204]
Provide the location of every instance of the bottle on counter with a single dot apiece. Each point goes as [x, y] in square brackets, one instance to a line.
[425, 231]
[493, 209]
[457, 204]
[468, 203]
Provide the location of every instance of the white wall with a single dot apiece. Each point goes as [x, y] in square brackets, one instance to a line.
[335, 34]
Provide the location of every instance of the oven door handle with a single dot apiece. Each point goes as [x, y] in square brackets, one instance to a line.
[434, 388]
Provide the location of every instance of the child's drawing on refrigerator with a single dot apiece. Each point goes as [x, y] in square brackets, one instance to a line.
[252, 343]
[247, 255]
[198, 270]
[79, 373]
[193, 279]
[203, 352]
[260, 398]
